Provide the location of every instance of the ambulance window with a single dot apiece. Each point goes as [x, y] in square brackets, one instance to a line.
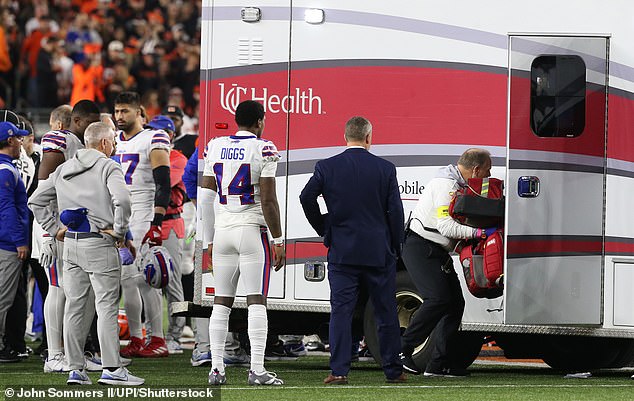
[558, 96]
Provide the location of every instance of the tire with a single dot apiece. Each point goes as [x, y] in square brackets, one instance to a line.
[467, 344]
[569, 353]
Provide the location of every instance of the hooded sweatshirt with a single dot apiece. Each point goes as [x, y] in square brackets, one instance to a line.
[89, 180]
[430, 218]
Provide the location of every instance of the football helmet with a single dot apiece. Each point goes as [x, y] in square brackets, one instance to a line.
[157, 266]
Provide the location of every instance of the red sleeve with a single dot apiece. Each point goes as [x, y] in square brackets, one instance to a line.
[178, 161]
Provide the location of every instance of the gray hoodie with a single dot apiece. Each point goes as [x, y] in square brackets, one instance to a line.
[89, 180]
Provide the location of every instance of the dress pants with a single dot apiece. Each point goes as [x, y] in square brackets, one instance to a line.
[380, 282]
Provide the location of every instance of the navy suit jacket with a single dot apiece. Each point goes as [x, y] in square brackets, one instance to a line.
[364, 223]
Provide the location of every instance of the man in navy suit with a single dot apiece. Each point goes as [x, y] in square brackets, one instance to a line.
[363, 231]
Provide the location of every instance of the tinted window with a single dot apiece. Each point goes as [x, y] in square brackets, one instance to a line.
[558, 96]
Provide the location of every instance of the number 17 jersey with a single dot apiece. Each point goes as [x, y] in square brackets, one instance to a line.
[237, 162]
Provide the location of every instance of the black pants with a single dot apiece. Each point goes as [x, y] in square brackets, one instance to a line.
[443, 302]
[16, 315]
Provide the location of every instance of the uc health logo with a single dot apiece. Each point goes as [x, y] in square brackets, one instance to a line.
[298, 101]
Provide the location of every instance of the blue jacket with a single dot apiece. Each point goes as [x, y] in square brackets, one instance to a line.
[14, 214]
[364, 223]
[190, 175]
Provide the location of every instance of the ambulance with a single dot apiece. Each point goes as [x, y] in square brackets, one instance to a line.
[546, 86]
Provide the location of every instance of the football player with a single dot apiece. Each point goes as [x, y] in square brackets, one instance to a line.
[57, 147]
[144, 157]
[241, 169]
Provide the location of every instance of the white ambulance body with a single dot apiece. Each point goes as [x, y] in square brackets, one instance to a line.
[547, 87]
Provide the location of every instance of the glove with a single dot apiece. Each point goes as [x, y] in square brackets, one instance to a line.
[485, 232]
[48, 251]
[154, 236]
[126, 256]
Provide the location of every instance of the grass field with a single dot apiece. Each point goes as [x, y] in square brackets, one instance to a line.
[303, 382]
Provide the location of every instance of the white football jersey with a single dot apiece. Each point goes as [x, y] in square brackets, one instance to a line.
[237, 162]
[134, 156]
[62, 141]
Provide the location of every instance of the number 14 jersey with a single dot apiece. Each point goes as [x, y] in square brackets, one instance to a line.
[237, 162]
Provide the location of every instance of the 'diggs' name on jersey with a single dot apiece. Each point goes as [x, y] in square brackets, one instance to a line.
[237, 162]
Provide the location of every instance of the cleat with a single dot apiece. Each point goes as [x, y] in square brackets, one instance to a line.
[277, 352]
[120, 377]
[240, 358]
[264, 379]
[216, 378]
[93, 363]
[313, 343]
[200, 358]
[78, 377]
[155, 348]
[174, 347]
[409, 365]
[56, 364]
[133, 348]
[295, 350]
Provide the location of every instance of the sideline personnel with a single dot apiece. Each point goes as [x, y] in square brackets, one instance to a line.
[14, 226]
[432, 234]
[94, 205]
[363, 231]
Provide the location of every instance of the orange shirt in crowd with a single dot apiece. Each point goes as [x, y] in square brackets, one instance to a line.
[86, 83]
[5, 60]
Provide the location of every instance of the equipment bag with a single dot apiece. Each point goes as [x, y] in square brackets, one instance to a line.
[483, 266]
[480, 203]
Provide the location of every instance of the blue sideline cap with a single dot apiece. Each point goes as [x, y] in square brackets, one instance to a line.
[7, 130]
[162, 122]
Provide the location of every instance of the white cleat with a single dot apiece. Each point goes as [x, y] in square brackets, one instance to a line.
[93, 363]
[120, 377]
[76, 377]
[200, 358]
[264, 379]
[174, 347]
[56, 364]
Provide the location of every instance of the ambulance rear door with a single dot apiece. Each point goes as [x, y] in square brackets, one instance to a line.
[556, 179]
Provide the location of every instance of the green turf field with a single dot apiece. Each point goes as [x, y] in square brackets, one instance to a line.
[303, 380]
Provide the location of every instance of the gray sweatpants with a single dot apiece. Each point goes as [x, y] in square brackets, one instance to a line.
[9, 277]
[92, 262]
[174, 289]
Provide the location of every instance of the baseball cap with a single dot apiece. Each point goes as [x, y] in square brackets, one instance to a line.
[162, 122]
[8, 130]
[173, 110]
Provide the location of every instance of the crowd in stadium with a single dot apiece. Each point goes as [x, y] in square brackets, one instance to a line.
[60, 51]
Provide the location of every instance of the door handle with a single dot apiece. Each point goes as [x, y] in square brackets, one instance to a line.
[528, 187]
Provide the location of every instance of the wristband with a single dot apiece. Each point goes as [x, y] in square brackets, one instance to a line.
[279, 241]
[158, 219]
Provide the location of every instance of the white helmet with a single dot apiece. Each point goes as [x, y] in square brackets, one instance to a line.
[157, 266]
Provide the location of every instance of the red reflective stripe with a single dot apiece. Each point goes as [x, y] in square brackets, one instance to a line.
[52, 274]
[521, 247]
[619, 247]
